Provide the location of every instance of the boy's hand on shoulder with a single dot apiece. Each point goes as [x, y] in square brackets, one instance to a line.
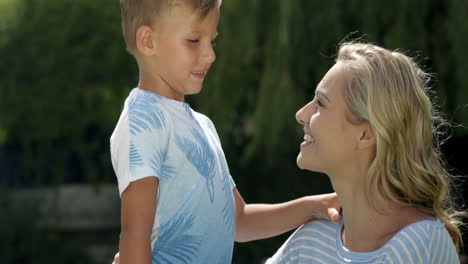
[326, 206]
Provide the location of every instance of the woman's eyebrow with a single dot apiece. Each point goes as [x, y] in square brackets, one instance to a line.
[321, 94]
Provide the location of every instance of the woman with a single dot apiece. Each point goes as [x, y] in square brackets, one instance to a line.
[372, 129]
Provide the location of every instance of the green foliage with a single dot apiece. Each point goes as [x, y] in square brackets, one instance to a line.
[457, 37]
[64, 75]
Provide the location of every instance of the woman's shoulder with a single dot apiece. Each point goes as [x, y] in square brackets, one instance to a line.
[424, 241]
[320, 225]
[424, 229]
[317, 233]
[312, 240]
[322, 231]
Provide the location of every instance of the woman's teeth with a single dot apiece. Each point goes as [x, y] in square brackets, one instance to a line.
[308, 138]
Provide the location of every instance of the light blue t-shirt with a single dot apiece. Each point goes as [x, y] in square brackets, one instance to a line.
[319, 241]
[195, 215]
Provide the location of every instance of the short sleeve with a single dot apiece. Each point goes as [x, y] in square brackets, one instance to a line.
[139, 142]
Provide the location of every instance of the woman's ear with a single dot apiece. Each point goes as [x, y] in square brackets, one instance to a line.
[367, 137]
[146, 41]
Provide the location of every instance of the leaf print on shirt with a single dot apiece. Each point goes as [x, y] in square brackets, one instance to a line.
[135, 157]
[201, 156]
[159, 164]
[144, 114]
[188, 110]
[145, 117]
[174, 245]
[229, 206]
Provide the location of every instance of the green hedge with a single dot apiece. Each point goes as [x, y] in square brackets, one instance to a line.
[63, 75]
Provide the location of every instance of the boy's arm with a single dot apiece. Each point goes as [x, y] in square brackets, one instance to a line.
[257, 221]
[138, 211]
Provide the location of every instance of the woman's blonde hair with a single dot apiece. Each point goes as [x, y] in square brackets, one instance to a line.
[388, 90]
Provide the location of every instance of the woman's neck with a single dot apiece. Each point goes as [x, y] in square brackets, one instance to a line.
[366, 229]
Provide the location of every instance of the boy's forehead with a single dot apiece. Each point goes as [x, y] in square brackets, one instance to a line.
[189, 6]
[188, 10]
[189, 17]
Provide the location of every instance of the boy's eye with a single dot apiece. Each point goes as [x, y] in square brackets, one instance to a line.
[193, 40]
[213, 43]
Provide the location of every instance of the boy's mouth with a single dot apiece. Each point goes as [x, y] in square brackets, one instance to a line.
[199, 74]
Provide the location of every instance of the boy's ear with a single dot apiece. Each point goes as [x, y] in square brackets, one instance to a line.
[145, 40]
[367, 137]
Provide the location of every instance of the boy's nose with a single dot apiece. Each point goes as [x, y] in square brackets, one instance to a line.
[209, 54]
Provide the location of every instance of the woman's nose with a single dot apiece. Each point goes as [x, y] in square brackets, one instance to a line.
[304, 114]
[300, 116]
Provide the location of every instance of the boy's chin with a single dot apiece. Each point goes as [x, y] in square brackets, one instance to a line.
[193, 90]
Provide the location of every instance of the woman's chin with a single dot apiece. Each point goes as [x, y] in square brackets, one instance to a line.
[301, 163]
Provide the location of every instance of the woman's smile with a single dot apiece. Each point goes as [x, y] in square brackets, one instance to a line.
[308, 140]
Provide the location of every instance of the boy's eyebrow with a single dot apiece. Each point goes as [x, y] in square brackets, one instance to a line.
[317, 92]
[198, 32]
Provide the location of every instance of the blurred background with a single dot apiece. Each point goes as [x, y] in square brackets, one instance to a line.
[64, 76]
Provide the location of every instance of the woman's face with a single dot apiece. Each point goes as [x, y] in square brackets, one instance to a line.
[328, 136]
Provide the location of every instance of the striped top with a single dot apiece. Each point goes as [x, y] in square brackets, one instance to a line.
[319, 241]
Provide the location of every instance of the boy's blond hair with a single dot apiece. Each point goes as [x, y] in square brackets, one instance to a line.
[136, 13]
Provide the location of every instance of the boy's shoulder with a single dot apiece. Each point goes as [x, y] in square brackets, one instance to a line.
[141, 100]
[143, 113]
[203, 118]
[146, 111]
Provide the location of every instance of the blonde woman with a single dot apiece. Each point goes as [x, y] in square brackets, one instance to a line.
[372, 129]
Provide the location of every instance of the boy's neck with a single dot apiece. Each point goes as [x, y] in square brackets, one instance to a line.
[155, 84]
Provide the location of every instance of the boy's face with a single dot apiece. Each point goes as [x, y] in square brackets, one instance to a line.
[184, 50]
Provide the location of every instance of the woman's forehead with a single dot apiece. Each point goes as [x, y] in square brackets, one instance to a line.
[334, 80]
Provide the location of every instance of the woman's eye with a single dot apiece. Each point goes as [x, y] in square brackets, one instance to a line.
[213, 43]
[320, 103]
[193, 40]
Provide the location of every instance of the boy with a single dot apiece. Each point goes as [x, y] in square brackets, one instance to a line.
[179, 202]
